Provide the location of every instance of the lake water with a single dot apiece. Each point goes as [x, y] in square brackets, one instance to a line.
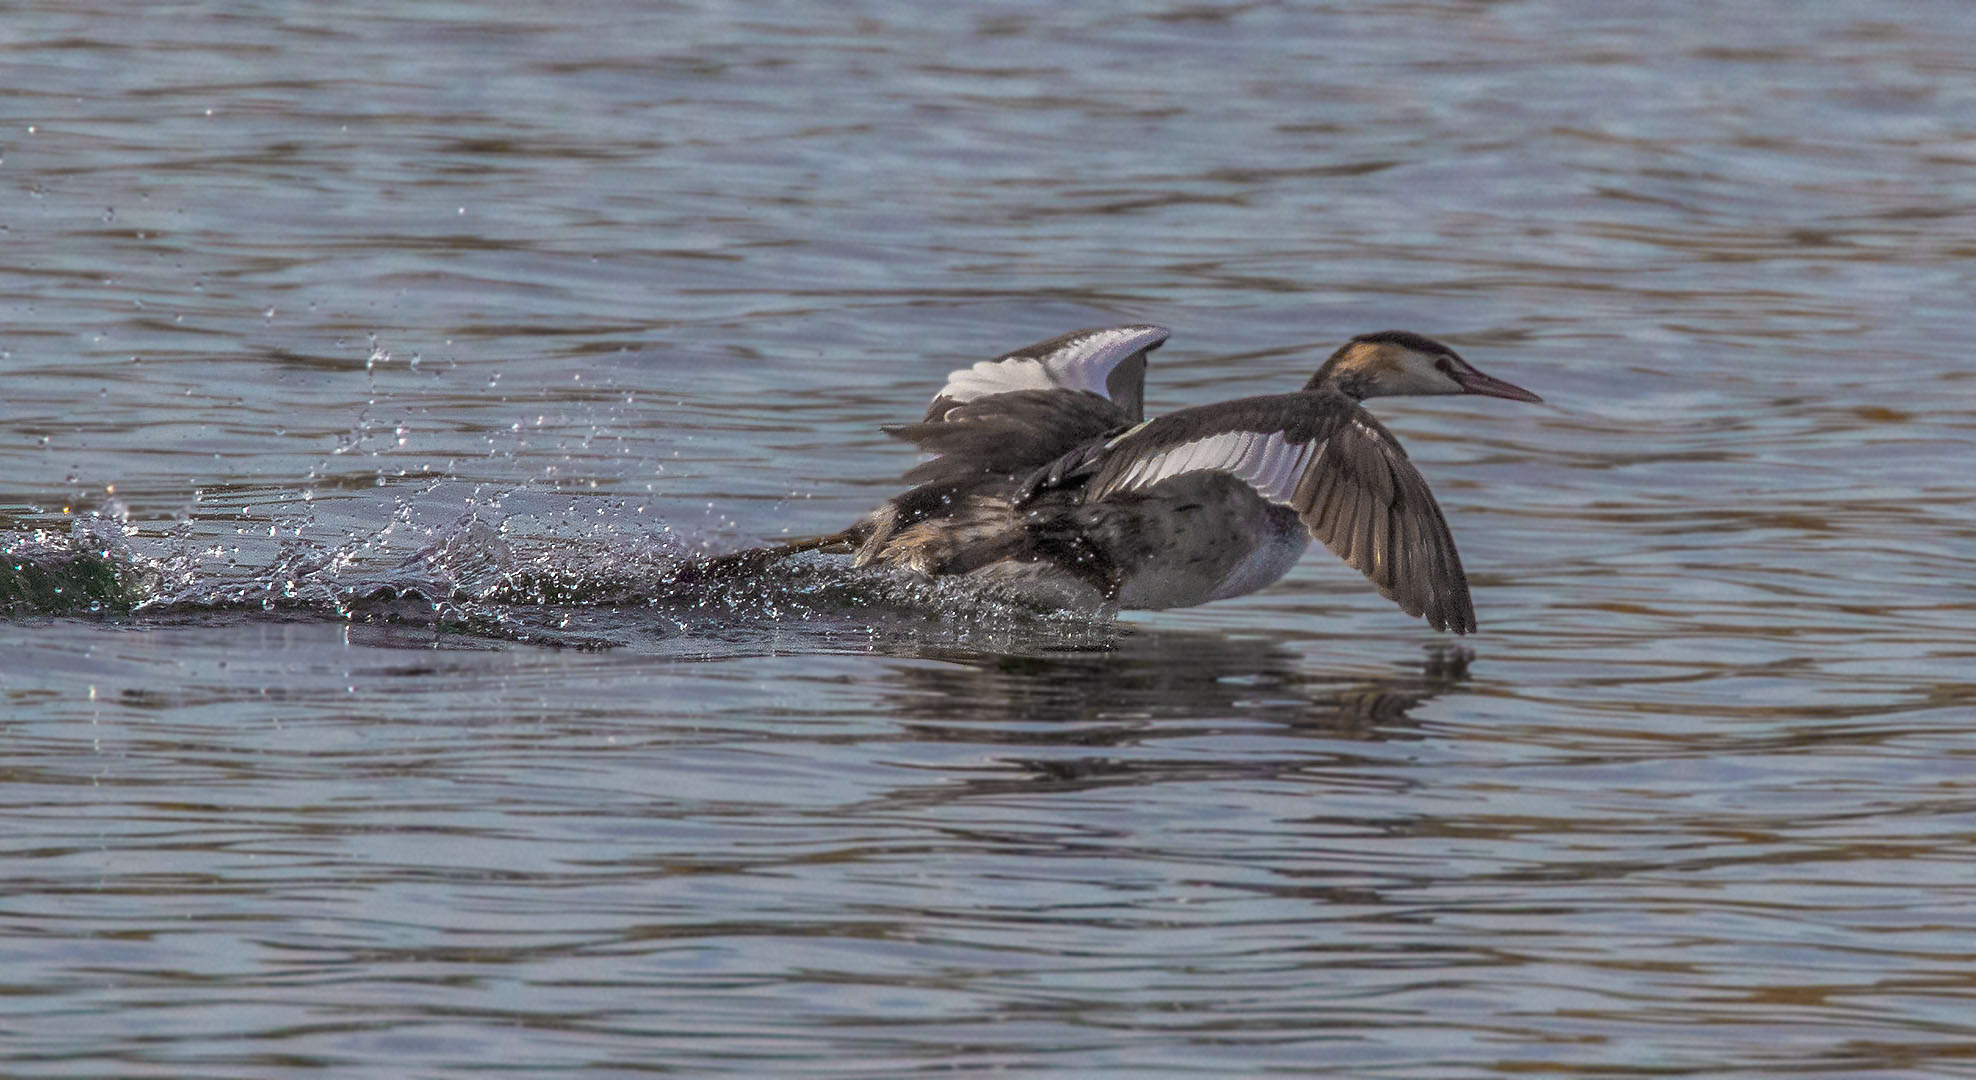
[369, 373]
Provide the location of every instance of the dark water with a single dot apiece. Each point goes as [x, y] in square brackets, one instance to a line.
[372, 373]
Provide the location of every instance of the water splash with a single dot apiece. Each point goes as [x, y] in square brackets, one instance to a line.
[494, 574]
[87, 570]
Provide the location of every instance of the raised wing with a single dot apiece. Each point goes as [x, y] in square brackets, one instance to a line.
[1028, 407]
[1009, 434]
[1109, 362]
[1326, 458]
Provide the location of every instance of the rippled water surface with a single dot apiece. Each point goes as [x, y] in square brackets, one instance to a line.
[371, 375]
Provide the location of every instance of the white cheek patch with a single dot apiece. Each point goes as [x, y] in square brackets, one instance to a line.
[1082, 363]
[1270, 463]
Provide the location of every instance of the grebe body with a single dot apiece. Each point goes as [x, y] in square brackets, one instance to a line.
[1045, 476]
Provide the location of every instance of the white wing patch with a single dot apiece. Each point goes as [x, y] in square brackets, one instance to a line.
[1270, 463]
[1080, 362]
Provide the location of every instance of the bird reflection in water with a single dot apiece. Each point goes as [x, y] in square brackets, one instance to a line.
[1156, 688]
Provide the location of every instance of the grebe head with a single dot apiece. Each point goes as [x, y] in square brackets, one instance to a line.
[1392, 362]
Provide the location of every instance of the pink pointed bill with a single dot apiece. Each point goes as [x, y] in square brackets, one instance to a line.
[1474, 382]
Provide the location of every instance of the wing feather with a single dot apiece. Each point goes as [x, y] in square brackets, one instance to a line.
[1028, 408]
[1381, 552]
[1368, 508]
[1250, 452]
[1268, 474]
[1008, 434]
[1410, 548]
[1348, 526]
[1107, 361]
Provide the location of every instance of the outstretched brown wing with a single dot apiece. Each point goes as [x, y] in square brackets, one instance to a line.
[1372, 508]
[1326, 458]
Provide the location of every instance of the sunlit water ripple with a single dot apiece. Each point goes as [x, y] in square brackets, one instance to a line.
[376, 378]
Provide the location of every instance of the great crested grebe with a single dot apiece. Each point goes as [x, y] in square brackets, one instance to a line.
[1046, 476]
